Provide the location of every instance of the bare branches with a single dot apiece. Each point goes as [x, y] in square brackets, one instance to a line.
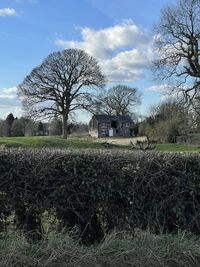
[177, 42]
[60, 84]
[118, 100]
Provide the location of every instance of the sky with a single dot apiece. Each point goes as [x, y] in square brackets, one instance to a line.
[118, 33]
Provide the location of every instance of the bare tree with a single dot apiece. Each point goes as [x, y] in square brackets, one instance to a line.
[168, 120]
[118, 100]
[27, 125]
[55, 126]
[61, 85]
[178, 37]
[17, 128]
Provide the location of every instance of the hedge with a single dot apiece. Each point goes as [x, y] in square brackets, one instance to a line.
[98, 191]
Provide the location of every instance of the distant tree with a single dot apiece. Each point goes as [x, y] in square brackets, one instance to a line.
[31, 127]
[136, 129]
[80, 128]
[171, 109]
[70, 127]
[2, 127]
[118, 100]
[55, 127]
[196, 117]
[17, 128]
[8, 125]
[27, 123]
[61, 84]
[168, 120]
[178, 39]
[147, 127]
[40, 128]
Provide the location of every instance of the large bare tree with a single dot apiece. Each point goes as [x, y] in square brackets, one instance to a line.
[61, 85]
[178, 40]
[118, 100]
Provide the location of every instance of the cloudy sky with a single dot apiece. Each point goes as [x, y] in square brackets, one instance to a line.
[118, 33]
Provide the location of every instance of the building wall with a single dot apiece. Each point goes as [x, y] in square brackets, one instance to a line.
[121, 130]
[124, 129]
[102, 129]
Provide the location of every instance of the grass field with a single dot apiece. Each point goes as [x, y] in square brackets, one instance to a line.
[83, 143]
[177, 148]
[54, 142]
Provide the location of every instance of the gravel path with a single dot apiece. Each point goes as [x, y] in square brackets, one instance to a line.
[120, 140]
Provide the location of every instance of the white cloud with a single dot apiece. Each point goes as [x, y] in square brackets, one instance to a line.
[8, 98]
[10, 90]
[168, 97]
[7, 12]
[123, 51]
[163, 88]
[168, 92]
[18, 111]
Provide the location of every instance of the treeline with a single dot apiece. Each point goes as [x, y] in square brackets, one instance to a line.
[170, 120]
[13, 126]
[25, 126]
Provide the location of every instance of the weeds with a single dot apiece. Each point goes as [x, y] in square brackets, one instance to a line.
[142, 249]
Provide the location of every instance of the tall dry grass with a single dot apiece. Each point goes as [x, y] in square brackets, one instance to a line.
[142, 249]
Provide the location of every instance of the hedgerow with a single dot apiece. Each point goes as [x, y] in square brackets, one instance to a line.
[98, 191]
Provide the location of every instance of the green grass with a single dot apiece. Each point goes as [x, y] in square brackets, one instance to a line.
[83, 143]
[54, 142]
[177, 148]
[142, 249]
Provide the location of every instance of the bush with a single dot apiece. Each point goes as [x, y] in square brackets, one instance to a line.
[97, 191]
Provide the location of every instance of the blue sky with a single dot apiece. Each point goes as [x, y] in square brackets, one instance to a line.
[119, 33]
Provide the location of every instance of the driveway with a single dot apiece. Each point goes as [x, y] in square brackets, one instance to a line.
[120, 140]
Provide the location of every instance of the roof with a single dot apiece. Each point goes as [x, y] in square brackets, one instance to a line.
[109, 118]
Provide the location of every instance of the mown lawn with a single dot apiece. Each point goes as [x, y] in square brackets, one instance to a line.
[54, 142]
[83, 143]
[177, 148]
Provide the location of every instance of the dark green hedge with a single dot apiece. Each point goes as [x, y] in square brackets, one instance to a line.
[100, 190]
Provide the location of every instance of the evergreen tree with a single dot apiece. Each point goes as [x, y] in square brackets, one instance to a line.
[8, 124]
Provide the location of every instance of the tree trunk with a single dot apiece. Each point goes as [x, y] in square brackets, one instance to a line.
[64, 127]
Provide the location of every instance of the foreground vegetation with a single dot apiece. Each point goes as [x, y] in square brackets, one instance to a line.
[83, 143]
[122, 188]
[43, 191]
[117, 250]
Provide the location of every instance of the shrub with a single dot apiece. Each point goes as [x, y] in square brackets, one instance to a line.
[97, 191]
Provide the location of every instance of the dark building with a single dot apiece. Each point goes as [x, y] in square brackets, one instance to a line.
[107, 125]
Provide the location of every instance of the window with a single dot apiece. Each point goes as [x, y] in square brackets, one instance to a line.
[126, 124]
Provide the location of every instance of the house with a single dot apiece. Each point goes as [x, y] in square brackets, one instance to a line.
[109, 125]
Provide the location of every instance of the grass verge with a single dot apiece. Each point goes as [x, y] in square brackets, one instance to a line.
[177, 148]
[117, 250]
